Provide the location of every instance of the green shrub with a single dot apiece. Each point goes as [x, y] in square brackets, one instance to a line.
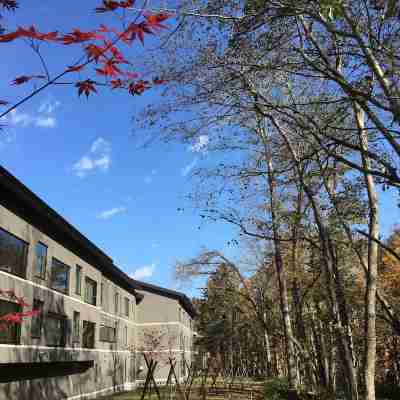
[276, 389]
[387, 391]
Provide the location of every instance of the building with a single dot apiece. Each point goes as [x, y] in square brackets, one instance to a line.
[95, 322]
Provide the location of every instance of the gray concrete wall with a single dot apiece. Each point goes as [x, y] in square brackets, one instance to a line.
[116, 364]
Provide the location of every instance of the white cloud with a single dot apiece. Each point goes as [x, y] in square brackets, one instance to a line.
[99, 157]
[47, 122]
[48, 106]
[111, 213]
[144, 272]
[186, 170]
[200, 146]
[44, 118]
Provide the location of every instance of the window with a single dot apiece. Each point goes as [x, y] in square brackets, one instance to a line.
[40, 260]
[55, 329]
[107, 333]
[77, 326]
[9, 333]
[116, 301]
[78, 280]
[126, 306]
[126, 336]
[102, 294]
[59, 276]
[37, 320]
[90, 291]
[13, 254]
[88, 334]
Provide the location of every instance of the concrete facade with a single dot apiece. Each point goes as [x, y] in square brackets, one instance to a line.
[130, 329]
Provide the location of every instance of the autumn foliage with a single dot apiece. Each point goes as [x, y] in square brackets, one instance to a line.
[102, 59]
[17, 317]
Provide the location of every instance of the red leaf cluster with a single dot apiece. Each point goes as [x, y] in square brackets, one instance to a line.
[30, 33]
[15, 318]
[23, 79]
[86, 87]
[111, 5]
[77, 36]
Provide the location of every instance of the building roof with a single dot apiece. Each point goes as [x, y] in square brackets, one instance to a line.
[16, 197]
[184, 301]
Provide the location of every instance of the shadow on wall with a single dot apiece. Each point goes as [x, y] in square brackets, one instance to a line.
[54, 388]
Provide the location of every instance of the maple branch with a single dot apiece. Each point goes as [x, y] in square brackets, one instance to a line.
[36, 49]
[68, 70]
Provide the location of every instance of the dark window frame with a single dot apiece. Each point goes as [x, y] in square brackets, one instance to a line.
[104, 333]
[24, 265]
[68, 269]
[93, 300]
[64, 320]
[76, 329]
[78, 280]
[85, 344]
[42, 274]
[38, 318]
[15, 329]
[116, 303]
[127, 306]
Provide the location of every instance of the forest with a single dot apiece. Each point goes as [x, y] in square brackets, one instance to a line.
[293, 108]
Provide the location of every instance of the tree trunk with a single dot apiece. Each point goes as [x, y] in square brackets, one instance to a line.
[280, 269]
[372, 265]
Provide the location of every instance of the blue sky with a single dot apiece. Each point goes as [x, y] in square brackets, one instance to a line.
[81, 158]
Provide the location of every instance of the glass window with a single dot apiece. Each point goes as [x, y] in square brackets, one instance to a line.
[90, 291]
[116, 305]
[88, 334]
[126, 336]
[126, 306]
[102, 294]
[13, 254]
[55, 330]
[59, 276]
[107, 333]
[37, 320]
[78, 280]
[77, 326]
[9, 333]
[40, 260]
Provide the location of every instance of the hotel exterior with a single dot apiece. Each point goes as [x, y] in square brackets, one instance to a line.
[95, 322]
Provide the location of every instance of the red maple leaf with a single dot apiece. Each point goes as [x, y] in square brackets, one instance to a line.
[154, 20]
[117, 83]
[8, 37]
[109, 69]
[111, 5]
[94, 51]
[77, 36]
[86, 87]
[35, 34]
[14, 318]
[23, 79]
[139, 30]
[21, 302]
